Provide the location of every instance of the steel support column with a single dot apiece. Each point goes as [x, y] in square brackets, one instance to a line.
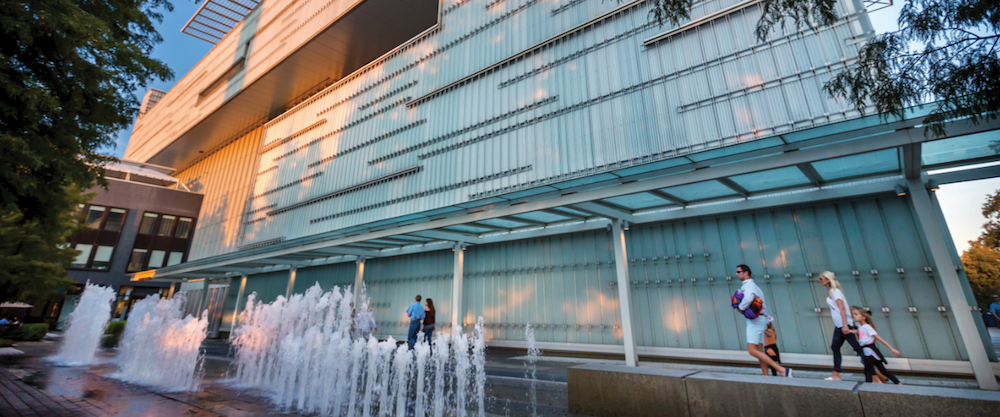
[203, 305]
[456, 292]
[170, 292]
[239, 297]
[359, 277]
[621, 270]
[931, 228]
[291, 282]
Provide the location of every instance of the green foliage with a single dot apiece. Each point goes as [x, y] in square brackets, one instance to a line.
[30, 332]
[982, 266]
[944, 51]
[67, 73]
[990, 237]
[6, 343]
[115, 327]
[110, 340]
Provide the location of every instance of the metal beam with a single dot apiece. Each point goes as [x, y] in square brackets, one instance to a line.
[563, 213]
[624, 300]
[911, 160]
[668, 197]
[458, 274]
[733, 186]
[443, 235]
[525, 221]
[340, 250]
[203, 304]
[488, 226]
[967, 175]
[811, 174]
[603, 210]
[931, 228]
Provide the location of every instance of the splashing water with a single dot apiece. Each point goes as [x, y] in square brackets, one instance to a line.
[86, 325]
[302, 353]
[531, 367]
[160, 348]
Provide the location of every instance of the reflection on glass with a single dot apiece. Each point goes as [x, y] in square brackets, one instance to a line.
[166, 225]
[102, 258]
[137, 259]
[116, 217]
[156, 258]
[81, 259]
[94, 216]
[175, 258]
[183, 228]
[148, 221]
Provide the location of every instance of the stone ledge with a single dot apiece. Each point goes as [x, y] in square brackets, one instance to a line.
[711, 394]
[610, 390]
[881, 400]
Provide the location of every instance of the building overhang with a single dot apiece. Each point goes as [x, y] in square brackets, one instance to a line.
[368, 30]
[805, 161]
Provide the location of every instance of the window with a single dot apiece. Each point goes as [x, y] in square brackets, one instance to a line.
[138, 258]
[94, 217]
[116, 218]
[83, 257]
[175, 258]
[183, 228]
[167, 225]
[148, 222]
[102, 258]
[156, 259]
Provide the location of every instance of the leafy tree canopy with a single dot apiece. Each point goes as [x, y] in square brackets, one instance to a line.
[944, 51]
[68, 70]
[982, 266]
[990, 237]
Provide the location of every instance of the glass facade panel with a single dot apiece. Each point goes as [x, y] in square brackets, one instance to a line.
[857, 165]
[638, 201]
[175, 258]
[156, 258]
[94, 217]
[767, 180]
[510, 224]
[963, 147]
[467, 228]
[148, 222]
[137, 259]
[116, 218]
[700, 191]
[544, 217]
[83, 257]
[183, 228]
[167, 225]
[102, 258]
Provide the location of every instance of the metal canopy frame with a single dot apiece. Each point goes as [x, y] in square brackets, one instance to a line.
[215, 18]
[585, 207]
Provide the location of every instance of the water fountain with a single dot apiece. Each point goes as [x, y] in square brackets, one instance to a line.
[531, 367]
[301, 352]
[86, 325]
[160, 347]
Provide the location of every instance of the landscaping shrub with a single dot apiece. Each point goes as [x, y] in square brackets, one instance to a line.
[6, 343]
[30, 332]
[115, 327]
[110, 340]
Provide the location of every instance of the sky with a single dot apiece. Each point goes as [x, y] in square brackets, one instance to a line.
[960, 202]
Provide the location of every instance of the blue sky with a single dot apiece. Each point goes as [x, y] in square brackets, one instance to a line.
[960, 202]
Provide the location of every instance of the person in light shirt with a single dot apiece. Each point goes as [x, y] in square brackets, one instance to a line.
[416, 314]
[842, 321]
[757, 326]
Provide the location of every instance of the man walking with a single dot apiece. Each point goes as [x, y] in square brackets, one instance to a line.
[757, 325]
[416, 314]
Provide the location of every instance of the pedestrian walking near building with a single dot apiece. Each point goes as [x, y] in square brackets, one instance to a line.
[771, 346]
[429, 312]
[995, 310]
[416, 314]
[868, 336]
[366, 322]
[749, 299]
[842, 321]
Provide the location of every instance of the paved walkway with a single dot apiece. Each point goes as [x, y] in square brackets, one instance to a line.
[20, 399]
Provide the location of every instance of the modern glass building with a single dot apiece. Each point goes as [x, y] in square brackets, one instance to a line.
[565, 163]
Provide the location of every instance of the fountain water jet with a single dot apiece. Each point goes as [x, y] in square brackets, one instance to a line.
[533, 353]
[302, 352]
[160, 347]
[86, 325]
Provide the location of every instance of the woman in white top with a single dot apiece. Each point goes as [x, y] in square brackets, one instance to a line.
[757, 326]
[842, 321]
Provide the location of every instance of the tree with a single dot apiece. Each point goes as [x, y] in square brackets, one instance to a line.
[68, 70]
[944, 52]
[982, 266]
[990, 238]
